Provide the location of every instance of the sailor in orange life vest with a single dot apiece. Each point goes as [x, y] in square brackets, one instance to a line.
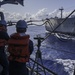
[4, 37]
[20, 47]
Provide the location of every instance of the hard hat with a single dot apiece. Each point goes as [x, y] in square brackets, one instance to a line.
[21, 24]
[3, 22]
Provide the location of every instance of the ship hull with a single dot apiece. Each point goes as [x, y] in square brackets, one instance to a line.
[68, 27]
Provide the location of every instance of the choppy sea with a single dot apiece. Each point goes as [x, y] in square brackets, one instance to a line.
[58, 55]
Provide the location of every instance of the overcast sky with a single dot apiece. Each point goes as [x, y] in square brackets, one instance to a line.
[35, 8]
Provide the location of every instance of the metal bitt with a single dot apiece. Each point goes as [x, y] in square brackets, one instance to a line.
[38, 57]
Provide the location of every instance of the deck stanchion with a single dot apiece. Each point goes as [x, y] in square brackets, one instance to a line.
[38, 55]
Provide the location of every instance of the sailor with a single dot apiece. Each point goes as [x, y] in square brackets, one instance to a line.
[20, 48]
[4, 37]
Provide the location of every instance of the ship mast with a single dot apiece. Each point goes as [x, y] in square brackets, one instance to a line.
[61, 9]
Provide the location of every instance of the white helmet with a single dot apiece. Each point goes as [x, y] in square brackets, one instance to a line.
[21, 24]
[3, 22]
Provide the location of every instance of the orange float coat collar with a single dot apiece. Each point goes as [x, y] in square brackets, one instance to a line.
[18, 47]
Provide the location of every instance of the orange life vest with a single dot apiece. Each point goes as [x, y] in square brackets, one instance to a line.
[18, 48]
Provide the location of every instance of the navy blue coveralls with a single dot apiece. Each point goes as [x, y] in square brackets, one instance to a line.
[3, 57]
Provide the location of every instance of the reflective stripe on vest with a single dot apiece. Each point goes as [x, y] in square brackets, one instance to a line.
[18, 48]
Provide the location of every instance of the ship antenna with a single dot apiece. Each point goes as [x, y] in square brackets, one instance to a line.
[61, 9]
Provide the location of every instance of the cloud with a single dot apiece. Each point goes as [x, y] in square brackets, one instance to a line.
[41, 14]
[13, 16]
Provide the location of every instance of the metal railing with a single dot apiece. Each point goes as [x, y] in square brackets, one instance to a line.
[42, 68]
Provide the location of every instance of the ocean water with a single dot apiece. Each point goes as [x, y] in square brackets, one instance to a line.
[58, 55]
